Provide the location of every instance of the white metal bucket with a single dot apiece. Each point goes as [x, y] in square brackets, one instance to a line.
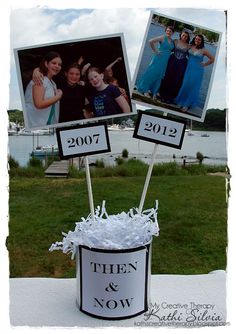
[113, 284]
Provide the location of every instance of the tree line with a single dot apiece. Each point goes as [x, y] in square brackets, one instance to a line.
[215, 119]
[210, 36]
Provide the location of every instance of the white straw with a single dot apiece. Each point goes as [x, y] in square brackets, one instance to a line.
[90, 193]
[149, 173]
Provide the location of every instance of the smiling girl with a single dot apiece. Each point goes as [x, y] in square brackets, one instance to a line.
[42, 104]
[188, 96]
[176, 67]
[105, 99]
[161, 46]
[73, 99]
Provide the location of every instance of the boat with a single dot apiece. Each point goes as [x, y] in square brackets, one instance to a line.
[205, 135]
[40, 132]
[12, 132]
[13, 129]
[114, 127]
[128, 128]
[190, 129]
[24, 132]
[49, 150]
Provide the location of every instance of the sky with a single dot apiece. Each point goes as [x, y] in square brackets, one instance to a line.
[56, 25]
[30, 22]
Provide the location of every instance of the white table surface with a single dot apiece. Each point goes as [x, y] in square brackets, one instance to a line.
[51, 302]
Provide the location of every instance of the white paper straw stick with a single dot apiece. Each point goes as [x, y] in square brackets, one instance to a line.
[149, 173]
[90, 193]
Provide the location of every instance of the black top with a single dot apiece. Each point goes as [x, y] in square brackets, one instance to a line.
[71, 103]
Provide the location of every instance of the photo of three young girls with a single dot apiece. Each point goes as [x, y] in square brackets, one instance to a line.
[57, 93]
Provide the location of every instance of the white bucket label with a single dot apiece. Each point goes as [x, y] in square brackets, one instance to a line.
[113, 284]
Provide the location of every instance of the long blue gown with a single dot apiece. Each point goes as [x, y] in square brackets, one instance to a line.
[174, 75]
[152, 77]
[188, 95]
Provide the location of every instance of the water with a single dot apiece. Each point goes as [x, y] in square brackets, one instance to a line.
[213, 147]
[20, 147]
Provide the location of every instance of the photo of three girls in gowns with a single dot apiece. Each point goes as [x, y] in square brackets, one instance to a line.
[176, 71]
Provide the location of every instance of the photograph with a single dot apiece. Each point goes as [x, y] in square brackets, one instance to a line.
[73, 81]
[176, 66]
[138, 235]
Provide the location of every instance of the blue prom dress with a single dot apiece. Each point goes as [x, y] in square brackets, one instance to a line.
[188, 95]
[174, 75]
[152, 77]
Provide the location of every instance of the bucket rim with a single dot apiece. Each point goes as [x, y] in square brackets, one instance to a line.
[121, 250]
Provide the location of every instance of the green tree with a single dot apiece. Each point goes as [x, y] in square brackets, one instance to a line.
[16, 116]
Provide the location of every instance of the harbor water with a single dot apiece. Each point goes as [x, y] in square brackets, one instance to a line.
[211, 144]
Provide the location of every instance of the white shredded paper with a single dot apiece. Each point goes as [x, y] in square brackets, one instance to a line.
[121, 231]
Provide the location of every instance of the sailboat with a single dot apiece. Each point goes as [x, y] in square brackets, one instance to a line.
[190, 129]
[43, 150]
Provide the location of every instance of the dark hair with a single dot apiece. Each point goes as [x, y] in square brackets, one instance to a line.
[202, 45]
[171, 28]
[47, 58]
[93, 69]
[73, 65]
[185, 32]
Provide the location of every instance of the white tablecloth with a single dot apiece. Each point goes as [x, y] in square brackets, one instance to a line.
[176, 300]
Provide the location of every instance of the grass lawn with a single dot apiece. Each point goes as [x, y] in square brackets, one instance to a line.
[192, 219]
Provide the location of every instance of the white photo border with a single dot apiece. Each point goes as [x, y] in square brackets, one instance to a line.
[160, 106]
[127, 78]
